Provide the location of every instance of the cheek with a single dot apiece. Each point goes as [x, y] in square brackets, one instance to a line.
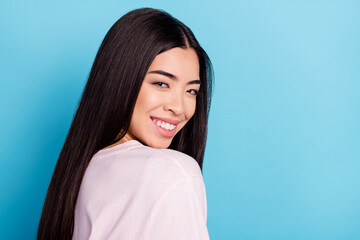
[190, 111]
[147, 101]
[190, 108]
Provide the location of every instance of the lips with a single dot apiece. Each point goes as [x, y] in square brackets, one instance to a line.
[163, 132]
[168, 120]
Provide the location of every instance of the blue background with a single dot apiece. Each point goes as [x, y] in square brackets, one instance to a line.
[283, 153]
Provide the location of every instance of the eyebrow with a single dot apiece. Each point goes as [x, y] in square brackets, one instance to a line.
[173, 77]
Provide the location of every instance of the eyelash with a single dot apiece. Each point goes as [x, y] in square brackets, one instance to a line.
[161, 83]
[196, 92]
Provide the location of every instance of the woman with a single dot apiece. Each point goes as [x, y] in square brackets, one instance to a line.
[131, 164]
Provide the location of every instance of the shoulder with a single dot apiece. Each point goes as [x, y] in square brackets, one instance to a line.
[125, 180]
[135, 155]
[128, 167]
[189, 165]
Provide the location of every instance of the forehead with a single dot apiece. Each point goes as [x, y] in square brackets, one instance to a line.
[180, 62]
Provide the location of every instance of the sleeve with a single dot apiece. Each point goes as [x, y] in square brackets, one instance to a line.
[180, 213]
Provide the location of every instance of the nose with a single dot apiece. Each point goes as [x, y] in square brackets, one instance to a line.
[175, 103]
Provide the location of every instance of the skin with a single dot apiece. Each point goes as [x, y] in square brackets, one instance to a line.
[164, 97]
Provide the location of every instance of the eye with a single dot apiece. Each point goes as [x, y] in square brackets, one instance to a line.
[193, 92]
[161, 84]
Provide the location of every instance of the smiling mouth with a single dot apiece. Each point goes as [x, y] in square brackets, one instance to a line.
[164, 125]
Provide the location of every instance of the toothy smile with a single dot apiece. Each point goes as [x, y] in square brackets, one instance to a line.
[164, 125]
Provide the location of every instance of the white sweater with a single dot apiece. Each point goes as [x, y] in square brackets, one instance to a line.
[131, 191]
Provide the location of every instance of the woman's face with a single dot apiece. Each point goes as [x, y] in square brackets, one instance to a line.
[167, 98]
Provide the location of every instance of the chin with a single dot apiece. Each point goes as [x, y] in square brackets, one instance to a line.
[159, 144]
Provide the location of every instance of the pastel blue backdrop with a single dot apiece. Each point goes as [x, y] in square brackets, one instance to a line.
[283, 154]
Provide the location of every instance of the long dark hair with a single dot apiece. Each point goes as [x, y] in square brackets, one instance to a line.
[107, 104]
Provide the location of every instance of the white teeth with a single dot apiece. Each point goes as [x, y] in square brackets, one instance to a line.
[164, 125]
